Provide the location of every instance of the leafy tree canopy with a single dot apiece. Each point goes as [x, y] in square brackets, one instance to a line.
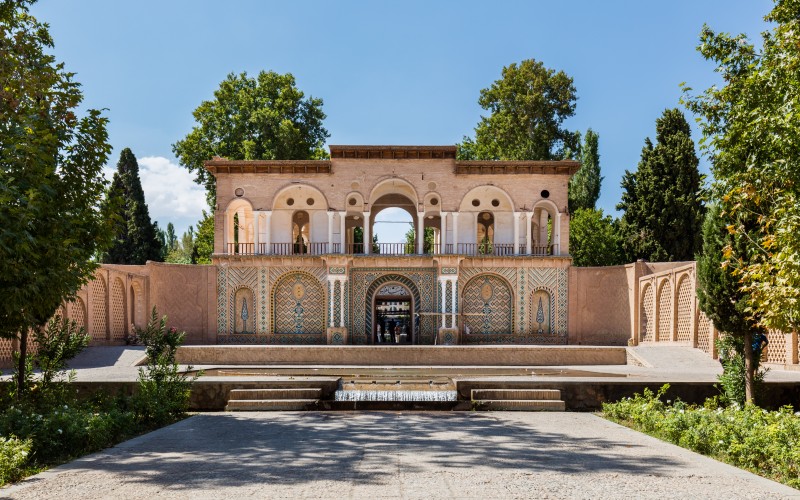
[584, 187]
[51, 182]
[527, 107]
[261, 118]
[751, 129]
[593, 239]
[135, 236]
[662, 200]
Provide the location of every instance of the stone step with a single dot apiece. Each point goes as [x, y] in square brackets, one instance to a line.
[283, 393]
[271, 404]
[511, 394]
[520, 405]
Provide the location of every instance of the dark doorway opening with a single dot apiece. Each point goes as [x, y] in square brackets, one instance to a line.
[393, 321]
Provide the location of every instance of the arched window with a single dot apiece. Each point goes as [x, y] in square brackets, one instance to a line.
[485, 233]
[300, 232]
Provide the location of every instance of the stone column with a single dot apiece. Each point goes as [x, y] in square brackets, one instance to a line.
[455, 232]
[267, 232]
[342, 232]
[443, 234]
[528, 242]
[557, 234]
[329, 245]
[420, 232]
[242, 229]
[516, 231]
[367, 237]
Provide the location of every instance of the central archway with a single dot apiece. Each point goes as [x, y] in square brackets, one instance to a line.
[411, 301]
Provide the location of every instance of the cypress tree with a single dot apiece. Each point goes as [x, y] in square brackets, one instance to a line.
[135, 239]
[662, 199]
[584, 187]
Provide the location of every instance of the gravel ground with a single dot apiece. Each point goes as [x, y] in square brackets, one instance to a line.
[396, 455]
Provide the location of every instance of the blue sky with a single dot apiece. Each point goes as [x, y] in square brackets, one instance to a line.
[389, 72]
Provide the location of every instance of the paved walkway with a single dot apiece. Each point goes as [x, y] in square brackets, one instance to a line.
[396, 455]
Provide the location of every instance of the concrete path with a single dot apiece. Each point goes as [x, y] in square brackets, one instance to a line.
[396, 455]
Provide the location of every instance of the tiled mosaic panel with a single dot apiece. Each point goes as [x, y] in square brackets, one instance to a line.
[98, 296]
[487, 306]
[222, 301]
[421, 282]
[664, 312]
[291, 339]
[117, 310]
[263, 318]
[229, 280]
[337, 339]
[685, 298]
[298, 305]
[244, 311]
[541, 312]
[646, 315]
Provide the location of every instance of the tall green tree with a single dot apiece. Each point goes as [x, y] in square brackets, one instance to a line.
[751, 127]
[721, 297]
[527, 108]
[663, 199]
[135, 236]
[584, 187]
[183, 250]
[204, 240]
[261, 118]
[594, 239]
[51, 183]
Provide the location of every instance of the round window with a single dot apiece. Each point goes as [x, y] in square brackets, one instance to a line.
[495, 202]
[239, 192]
[310, 201]
[545, 194]
[476, 203]
[290, 201]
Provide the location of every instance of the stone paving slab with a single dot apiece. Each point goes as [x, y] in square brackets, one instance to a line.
[396, 455]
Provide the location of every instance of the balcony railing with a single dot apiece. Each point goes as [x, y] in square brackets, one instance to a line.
[472, 249]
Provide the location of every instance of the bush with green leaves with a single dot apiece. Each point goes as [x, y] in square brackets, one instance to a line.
[732, 379]
[14, 454]
[164, 390]
[764, 442]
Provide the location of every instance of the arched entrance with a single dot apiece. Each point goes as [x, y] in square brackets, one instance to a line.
[393, 303]
[393, 308]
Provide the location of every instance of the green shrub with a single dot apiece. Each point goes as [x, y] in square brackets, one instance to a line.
[764, 442]
[164, 391]
[14, 455]
[731, 380]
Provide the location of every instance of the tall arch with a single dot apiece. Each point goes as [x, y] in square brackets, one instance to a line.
[379, 283]
[77, 312]
[239, 227]
[684, 315]
[98, 294]
[117, 310]
[647, 314]
[487, 305]
[393, 185]
[298, 305]
[664, 301]
[541, 311]
[243, 310]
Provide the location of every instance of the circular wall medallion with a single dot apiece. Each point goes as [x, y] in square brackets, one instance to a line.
[239, 192]
[355, 185]
[290, 201]
[545, 194]
[298, 291]
[432, 186]
[310, 201]
[486, 216]
[476, 202]
[434, 201]
[495, 202]
[487, 291]
[352, 202]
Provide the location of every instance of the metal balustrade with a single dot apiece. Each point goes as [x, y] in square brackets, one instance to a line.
[388, 249]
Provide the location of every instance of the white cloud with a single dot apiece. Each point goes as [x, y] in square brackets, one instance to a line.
[170, 193]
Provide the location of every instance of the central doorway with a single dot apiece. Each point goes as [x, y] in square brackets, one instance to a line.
[393, 323]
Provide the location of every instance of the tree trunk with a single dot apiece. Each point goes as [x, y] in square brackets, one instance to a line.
[749, 368]
[23, 355]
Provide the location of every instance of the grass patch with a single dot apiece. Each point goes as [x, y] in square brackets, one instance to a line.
[764, 442]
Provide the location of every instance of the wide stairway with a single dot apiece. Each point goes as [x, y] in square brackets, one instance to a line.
[274, 399]
[517, 399]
